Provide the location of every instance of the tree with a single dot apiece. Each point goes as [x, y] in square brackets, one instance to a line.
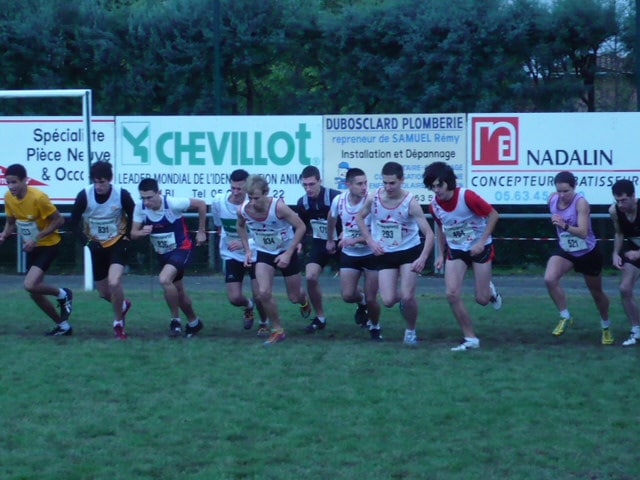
[317, 56]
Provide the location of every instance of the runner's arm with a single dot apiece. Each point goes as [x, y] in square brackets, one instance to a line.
[618, 239]
[201, 206]
[285, 212]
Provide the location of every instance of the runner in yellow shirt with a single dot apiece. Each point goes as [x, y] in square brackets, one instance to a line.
[38, 220]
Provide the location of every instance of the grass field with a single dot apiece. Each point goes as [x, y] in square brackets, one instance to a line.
[330, 406]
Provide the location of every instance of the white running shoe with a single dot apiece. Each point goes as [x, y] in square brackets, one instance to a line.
[632, 340]
[466, 345]
[410, 338]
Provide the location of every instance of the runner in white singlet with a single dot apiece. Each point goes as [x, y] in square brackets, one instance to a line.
[465, 222]
[276, 231]
[356, 256]
[224, 210]
[396, 220]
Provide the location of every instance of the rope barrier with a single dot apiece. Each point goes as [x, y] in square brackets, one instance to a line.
[545, 239]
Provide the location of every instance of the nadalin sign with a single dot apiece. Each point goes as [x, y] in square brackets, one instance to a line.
[513, 158]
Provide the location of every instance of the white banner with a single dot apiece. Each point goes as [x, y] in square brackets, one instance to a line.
[54, 151]
[413, 140]
[513, 158]
[194, 156]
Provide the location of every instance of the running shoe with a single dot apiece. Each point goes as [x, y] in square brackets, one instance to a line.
[632, 340]
[263, 330]
[376, 334]
[248, 318]
[607, 338]
[410, 338]
[119, 333]
[190, 331]
[315, 325]
[362, 315]
[277, 335]
[66, 305]
[58, 331]
[175, 328]
[466, 345]
[496, 298]
[563, 323]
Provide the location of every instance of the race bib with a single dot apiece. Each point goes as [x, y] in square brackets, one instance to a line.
[389, 234]
[320, 230]
[163, 242]
[103, 229]
[459, 235]
[268, 240]
[353, 232]
[570, 243]
[28, 230]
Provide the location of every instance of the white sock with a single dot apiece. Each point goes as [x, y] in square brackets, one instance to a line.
[118, 323]
[605, 323]
[322, 319]
[194, 322]
[474, 340]
[61, 294]
[636, 330]
[64, 325]
[565, 313]
[250, 304]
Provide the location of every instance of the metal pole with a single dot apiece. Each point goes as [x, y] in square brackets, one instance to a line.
[86, 111]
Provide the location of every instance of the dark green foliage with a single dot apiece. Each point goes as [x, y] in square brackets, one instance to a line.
[318, 56]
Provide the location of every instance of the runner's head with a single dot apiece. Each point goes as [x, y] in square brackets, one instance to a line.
[101, 173]
[357, 182]
[237, 180]
[392, 178]
[625, 194]
[257, 189]
[440, 178]
[150, 193]
[439, 173]
[17, 181]
[311, 181]
[565, 185]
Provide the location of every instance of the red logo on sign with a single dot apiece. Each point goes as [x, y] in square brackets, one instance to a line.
[3, 180]
[494, 141]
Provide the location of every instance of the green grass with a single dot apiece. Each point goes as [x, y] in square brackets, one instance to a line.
[330, 406]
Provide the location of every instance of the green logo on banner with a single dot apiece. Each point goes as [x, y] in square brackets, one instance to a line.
[137, 134]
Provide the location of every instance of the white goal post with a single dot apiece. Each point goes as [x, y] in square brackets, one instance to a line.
[85, 95]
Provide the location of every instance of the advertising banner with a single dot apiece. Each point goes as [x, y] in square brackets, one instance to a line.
[513, 158]
[194, 156]
[54, 151]
[413, 140]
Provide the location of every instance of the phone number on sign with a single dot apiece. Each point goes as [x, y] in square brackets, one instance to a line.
[537, 196]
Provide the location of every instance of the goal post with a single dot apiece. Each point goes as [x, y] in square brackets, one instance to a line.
[85, 96]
